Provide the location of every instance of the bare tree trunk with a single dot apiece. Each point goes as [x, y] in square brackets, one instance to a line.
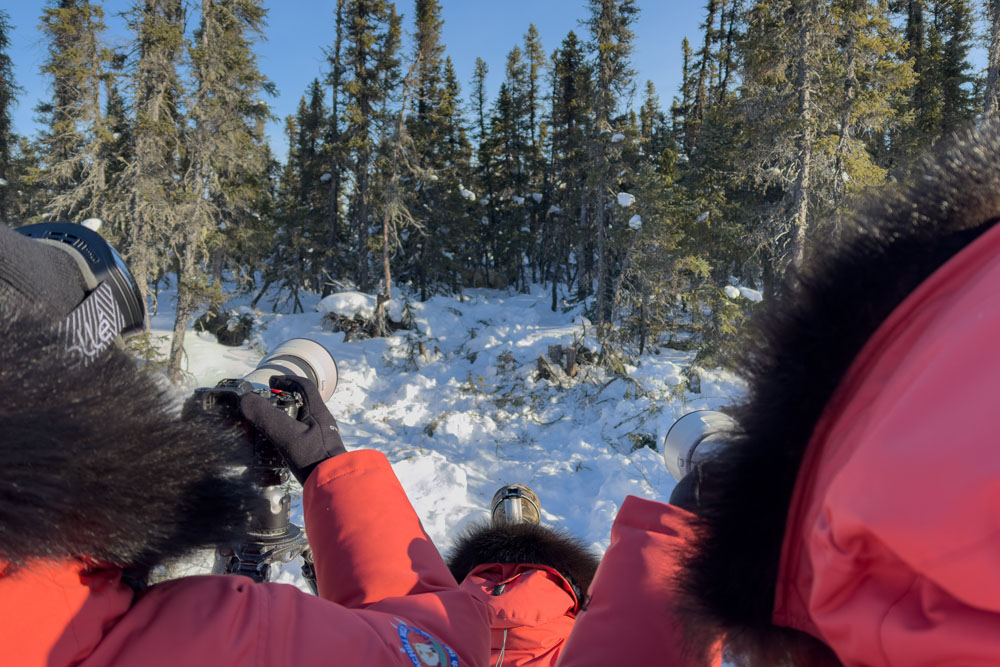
[850, 93]
[601, 303]
[583, 277]
[333, 233]
[993, 67]
[800, 209]
[185, 308]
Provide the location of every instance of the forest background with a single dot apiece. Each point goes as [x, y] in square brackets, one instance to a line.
[574, 174]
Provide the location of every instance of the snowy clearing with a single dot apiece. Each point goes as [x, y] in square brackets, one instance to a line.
[471, 414]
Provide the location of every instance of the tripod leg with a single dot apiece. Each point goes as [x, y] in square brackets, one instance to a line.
[309, 570]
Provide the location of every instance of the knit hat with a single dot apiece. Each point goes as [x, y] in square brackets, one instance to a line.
[37, 275]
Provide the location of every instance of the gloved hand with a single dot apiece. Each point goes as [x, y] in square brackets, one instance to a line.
[305, 442]
[686, 494]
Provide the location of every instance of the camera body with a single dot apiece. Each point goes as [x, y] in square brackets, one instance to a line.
[224, 398]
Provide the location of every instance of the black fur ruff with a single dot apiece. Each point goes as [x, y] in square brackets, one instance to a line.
[799, 348]
[524, 543]
[93, 462]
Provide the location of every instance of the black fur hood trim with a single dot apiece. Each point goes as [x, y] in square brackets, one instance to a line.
[525, 543]
[800, 346]
[94, 463]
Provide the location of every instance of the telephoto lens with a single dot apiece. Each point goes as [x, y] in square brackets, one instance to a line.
[302, 357]
[694, 437]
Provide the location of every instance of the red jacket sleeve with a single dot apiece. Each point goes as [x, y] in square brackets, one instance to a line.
[629, 619]
[372, 553]
[390, 600]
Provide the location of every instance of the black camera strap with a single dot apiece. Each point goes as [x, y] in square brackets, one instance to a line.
[92, 326]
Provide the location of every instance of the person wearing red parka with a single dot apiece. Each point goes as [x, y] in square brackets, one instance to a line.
[101, 482]
[852, 516]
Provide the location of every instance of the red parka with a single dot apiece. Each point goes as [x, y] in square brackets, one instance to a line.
[531, 609]
[892, 549]
[385, 598]
[891, 553]
[630, 616]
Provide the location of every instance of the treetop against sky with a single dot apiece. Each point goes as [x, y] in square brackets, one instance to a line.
[299, 30]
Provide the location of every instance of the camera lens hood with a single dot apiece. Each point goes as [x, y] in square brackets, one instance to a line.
[692, 438]
[299, 356]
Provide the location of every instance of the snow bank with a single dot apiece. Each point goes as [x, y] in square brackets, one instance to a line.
[625, 199]
[349, 304]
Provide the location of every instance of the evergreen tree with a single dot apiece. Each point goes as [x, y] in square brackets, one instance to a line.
[426, 127]
[992, 93]
[146, 206]
[537, 193]
[335, 149]
[366, 37]
[611, 41]
[483, 171]
[226, 159]
[8, 98]
[565, 231]
[73, 144]
[939, 36]
[298, 261]
[393, 162]
[956, 24]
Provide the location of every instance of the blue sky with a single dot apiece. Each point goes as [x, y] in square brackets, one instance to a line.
[299, 29]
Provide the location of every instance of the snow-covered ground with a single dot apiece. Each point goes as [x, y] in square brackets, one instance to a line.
[473, 415]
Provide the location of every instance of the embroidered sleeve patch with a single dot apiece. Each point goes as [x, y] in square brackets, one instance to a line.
[422, 649]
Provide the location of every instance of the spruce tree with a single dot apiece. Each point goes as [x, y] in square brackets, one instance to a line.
[484, 172]
[536, 195]
[992, 92]
[73, 142]
[335, 150]
[8, 141]
[146, 201]
[426, 128]
[611, 42]
[297, 262]
[226, 159]
[367, 24]
[564, 232]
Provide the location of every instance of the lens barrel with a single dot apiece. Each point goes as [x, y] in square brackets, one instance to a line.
[302, 357]
[693, 437]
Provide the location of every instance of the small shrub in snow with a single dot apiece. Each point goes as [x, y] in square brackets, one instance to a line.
[230, 327]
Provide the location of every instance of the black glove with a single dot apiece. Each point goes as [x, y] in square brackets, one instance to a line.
[687, 493]
[305, 442]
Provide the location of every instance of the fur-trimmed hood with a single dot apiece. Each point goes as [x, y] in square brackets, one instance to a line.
[800, 348]
[94, 463]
